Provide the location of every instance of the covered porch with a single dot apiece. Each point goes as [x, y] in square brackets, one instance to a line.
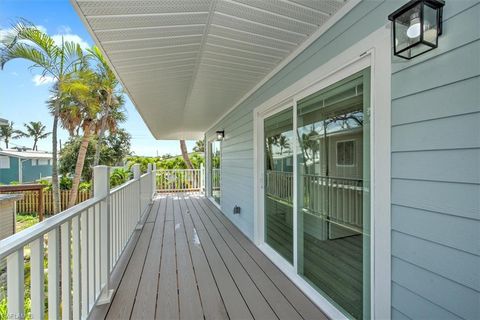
[190, 262]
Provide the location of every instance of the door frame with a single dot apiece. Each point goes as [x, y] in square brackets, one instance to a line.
[374, 51]
[208, 170]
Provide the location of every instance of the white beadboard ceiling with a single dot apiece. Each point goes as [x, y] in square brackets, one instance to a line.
[184, 63]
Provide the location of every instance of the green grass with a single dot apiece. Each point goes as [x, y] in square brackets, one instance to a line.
[26, 220]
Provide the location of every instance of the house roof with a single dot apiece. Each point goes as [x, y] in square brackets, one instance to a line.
[186, 63]
[26, 154]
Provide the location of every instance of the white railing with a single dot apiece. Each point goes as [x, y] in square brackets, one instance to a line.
[215, 179]
[338, 200]
[81, 244]
[279, 185]
[175, 180]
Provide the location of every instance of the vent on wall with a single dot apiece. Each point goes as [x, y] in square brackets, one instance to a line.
[236, 210]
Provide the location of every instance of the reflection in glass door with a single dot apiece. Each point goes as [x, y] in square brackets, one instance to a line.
[333, 161]
[215, 161]
[278, 210]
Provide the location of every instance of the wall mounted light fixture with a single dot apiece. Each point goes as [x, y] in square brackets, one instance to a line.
[220, 134]
[416, 27]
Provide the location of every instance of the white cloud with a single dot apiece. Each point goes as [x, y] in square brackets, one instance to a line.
[40, 81]
[14, 74]
[70, 37]
[64, 29]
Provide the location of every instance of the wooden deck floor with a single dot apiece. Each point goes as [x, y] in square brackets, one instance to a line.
[190, 262]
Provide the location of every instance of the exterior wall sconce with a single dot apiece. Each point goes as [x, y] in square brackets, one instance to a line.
[416, 27]
[220, 135]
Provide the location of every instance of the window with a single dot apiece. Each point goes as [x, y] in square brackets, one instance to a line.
[34, 162]
[215, 161]
[346, 153]
[4, 162]
[42, 162]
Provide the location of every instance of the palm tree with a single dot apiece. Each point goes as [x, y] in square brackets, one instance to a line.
[25, 41]
[111, 99]
[8, 133]
[283, 143]
[199, 146]
[80, 110]
[186, 158]
[35, 130]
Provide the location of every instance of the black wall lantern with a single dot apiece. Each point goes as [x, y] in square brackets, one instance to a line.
[416, 27]
[220, 134]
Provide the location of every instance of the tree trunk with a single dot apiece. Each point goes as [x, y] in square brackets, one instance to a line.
[55, 184]
[34, 144]
[79, 167]
[183, 148]
[103, 127]
[6, 143]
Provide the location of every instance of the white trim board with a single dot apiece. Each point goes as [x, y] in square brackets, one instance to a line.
[330, 22]
[374, 51]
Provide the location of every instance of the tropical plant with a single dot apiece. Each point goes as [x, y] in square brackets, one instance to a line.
[119, 176]
[80, 108]
[8, 133]
[35, 130]
[111, 99]
[199, 146]
[25, 41]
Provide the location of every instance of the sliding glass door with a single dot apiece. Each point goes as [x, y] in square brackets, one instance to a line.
[278, 177]
[215, 161]
[333, 170]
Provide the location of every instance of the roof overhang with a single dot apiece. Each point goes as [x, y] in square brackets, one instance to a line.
[185, 63]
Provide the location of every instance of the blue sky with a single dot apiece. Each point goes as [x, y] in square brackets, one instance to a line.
[23, 93]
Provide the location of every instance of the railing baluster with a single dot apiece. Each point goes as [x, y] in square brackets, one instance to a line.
[76, 277]
[66, 269]
[37, 290]
[91, 256]
[84, 261]
[98, 282]
[53, 274]
[15, 284]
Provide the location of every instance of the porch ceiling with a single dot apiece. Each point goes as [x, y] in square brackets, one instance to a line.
[184, 63]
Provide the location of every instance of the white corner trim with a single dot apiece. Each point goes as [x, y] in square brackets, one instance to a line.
[374, 51]
[327, 25]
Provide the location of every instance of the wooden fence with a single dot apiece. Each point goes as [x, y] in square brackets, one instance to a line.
[29, 204]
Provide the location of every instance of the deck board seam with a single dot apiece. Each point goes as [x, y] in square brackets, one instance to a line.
[191, 258]
[208, 263]
[145, 259]
[233, 252]
[229, 273]
[161, 257]
[228, 224]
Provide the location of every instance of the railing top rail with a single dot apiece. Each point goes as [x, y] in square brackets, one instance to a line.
[24, 237]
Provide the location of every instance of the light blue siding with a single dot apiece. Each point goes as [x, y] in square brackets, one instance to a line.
[8, 175]
[435, 158]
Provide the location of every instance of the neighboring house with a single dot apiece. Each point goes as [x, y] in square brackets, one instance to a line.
[24, 166]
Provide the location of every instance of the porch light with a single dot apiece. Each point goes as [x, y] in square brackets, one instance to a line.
[416, 27]
[220, 135]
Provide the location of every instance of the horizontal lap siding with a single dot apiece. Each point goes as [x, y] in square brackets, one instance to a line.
[436, 174]
[435, 158]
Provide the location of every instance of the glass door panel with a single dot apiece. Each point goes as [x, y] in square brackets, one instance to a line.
[215, 161]
[278, 148]
[333, 158]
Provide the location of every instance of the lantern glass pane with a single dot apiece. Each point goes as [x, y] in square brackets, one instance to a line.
[407, 28]
[430, 25]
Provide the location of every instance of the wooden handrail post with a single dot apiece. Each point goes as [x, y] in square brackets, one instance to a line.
[41, 208]
[101, 189]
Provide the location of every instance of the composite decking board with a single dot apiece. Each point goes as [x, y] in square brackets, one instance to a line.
[254, 298]
[100, 311]
[212, 302]
[233, 299]
[306, 308]
[211, 256]
[281, 306]
[167, 297]
[122, 304]
[188, 294]
[146, 298]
